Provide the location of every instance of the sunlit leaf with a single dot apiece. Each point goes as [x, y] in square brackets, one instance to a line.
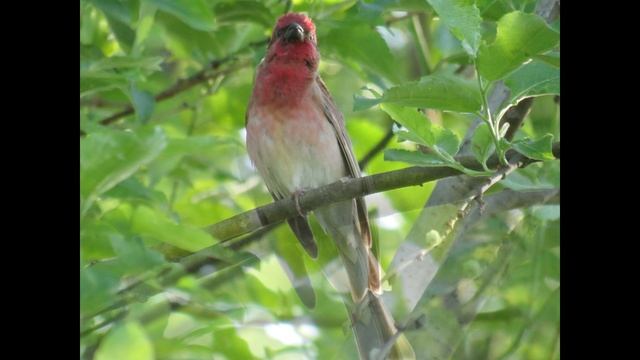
[195, 13]
[126, 342]
[109, 157]
[148, 222]
[533, 79]
[539, 149]
[463, 19]
[440, 92]
[519, 37]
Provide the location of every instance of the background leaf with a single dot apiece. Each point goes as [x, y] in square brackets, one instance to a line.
[150, 223]
[519, 37]
[414, 157]
[126, 342]
[241, 11]
[533, 79]
[195, 13]
[539, 149]
[482, 143]
[359, 45]
[109, 157]
[434, 92]
[463, 19]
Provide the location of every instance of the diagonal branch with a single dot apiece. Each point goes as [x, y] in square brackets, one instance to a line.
[351, 188]
[376, 149]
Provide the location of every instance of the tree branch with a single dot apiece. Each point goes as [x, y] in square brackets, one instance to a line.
[508, 200]
[515, 117]
[350, 188]
[376, 149]
[181, 85]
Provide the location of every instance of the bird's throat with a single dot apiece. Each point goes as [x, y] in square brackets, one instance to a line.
[283, 84]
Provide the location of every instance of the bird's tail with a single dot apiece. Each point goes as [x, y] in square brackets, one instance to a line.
[371, 322]
[376, 334]
[338, 220]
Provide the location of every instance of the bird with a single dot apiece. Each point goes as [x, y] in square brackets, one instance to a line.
[297, 140]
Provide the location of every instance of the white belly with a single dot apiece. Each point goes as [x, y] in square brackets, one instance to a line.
[294, 153]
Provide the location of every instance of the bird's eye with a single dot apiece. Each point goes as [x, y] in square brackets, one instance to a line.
[279, 32]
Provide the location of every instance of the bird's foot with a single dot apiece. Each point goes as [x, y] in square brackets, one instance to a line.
[296, 200]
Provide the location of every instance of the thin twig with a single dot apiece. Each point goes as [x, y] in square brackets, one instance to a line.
[515, 117]
[204, 75]
[377, 148]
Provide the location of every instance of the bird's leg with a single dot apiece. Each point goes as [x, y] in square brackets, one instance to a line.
[296, 200]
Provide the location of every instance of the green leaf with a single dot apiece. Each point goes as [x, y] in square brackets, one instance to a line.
[110, 156]
[132, 190]
[371, 51]
[533, 79]
[421, 130]
[133, 256]
[243, 10]
[97, 289]
[552, 58]
[113, 72]
[195, 13]
[149, 222]
[539, 149]
[446, 140]
[88, 25]
[118, 10]
[126, 342]
[482, 144]
[227, 341]
[147, 15]
[414, 157]
[442, 92]
[95, 240]
[418, 126]
[519, 37]
[123, 33]
[463, 20]
[143, 103]
[178, 148]
[363, 103]
[402, 5]
[120, 64]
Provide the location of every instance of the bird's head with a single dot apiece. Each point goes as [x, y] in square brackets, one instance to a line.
[294, 39]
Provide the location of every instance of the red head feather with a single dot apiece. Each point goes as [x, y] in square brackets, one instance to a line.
[301, 19]
[289, 67]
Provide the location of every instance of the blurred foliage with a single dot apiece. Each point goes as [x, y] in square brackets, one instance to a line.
[155, 179]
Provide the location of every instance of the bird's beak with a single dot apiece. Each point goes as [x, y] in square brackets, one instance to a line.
[294, 33]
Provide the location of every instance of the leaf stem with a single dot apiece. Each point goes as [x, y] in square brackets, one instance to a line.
[419, 28]
[488, 119]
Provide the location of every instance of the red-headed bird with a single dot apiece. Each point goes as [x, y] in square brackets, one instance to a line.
[297, 140]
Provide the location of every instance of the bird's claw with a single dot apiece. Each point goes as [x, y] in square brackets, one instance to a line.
[296, 200]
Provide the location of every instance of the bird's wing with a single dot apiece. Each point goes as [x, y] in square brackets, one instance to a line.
[334, 116]
[337, 121]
